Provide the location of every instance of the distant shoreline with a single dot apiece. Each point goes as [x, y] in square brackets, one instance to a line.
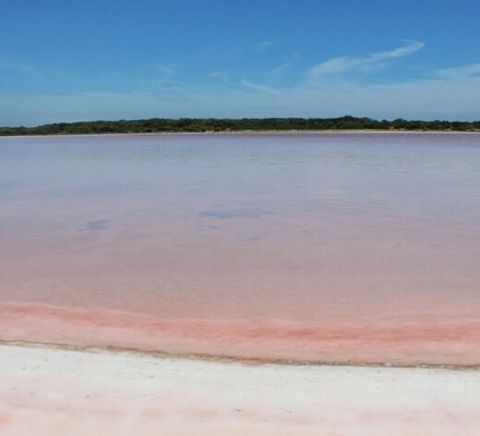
[262, 132]
[242, 126]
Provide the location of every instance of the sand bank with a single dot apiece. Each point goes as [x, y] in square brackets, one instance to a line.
[59, 392]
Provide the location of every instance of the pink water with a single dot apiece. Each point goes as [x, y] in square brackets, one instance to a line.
[319, 247]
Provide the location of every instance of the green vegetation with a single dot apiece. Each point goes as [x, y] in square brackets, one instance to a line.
[159, 125]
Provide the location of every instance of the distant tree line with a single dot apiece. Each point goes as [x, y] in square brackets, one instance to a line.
[159, 125]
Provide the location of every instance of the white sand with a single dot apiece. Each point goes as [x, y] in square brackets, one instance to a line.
[56, 392]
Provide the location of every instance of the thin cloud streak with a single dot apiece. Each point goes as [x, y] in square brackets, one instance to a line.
[220, 75]
[260, 87]
[342, 64]
[165, 71]
[281, 69]
[20, 68]
[264, 45]
[460, 71]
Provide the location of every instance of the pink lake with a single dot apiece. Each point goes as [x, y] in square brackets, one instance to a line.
[345, 248]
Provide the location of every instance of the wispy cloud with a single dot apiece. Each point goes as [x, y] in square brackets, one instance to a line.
[25, 69]
[221, 76]
[260, 87]
[264, 45]
[281, 69]
[342, 64]
[166, 71]
[471, 70]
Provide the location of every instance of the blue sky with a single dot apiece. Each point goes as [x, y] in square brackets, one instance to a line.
[68, 60]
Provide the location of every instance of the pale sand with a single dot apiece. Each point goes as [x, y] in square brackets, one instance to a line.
[58, 392]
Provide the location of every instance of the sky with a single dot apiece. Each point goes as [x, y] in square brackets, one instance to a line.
[66, 60]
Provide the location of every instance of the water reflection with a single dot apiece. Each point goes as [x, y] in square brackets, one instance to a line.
[232, 213]
[97, 225]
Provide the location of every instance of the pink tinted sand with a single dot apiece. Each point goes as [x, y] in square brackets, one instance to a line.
[57, 392]
[401, 342]
[322, 249]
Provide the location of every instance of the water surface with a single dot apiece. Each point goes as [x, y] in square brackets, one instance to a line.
[318, 247]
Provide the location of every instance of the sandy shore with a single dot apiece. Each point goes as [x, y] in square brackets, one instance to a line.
[59, 392]
[437, 341]
[432, 342]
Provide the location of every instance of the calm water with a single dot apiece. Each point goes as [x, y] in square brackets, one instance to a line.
[204, 243]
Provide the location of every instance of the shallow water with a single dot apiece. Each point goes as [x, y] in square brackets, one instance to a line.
[318, 247]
